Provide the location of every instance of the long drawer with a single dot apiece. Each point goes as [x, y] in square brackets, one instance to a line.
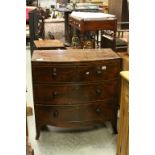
[74, 93]
[102, 110]
[79, 73]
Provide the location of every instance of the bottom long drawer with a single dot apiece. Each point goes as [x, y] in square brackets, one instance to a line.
[57, 114]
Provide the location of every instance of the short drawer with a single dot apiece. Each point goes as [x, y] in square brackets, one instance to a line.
[74, 93]
[52, 74]
[75, 113]
[99, 72]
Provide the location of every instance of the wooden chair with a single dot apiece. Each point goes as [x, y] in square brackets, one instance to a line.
[36, 28]
[119, 8]
[121, 40]
[37, 34]
[28, 9]
[121, 43]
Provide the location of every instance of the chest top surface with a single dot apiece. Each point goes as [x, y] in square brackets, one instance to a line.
[73, 55]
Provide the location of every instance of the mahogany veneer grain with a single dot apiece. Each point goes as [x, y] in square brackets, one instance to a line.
[75, 88]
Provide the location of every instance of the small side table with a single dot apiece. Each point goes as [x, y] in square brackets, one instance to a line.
[48, 44]
[94, 24]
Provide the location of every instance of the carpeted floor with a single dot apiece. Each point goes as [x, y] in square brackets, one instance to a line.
[56, 141]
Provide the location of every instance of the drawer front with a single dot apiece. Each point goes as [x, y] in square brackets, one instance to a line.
[99, 72]
[54, 74]
[74, 94]
[79, 73]
[55, 114]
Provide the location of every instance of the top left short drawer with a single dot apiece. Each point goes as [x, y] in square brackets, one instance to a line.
[49, 74]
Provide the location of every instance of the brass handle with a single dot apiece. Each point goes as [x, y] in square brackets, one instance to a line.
[98, 110]
[87, 73]
[104, 67]
[54, 74]
[55, 93]
[99, 72]
[54, 69]
[55, 113]
[98, 91]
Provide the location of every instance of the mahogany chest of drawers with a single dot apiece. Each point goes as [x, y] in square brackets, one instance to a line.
[75, 88]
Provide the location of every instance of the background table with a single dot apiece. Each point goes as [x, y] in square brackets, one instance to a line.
[48, 44]
[93, 24]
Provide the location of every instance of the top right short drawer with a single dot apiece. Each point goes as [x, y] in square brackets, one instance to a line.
[99, 71]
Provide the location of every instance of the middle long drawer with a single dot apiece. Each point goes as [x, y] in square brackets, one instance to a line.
[74, 93]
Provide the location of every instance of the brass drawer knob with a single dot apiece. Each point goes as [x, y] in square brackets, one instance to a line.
[54, 74]
[55, 113]
[98, 91]
[54, 69]
[99, 72]
[87, 73]
[104, 67]
[100, 69]
[98, 110]
[55, 93]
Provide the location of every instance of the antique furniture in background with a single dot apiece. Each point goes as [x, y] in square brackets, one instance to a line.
[36, 26]
[75, 88]
[48, 44]
[123, 131]
[37, 33]
[120, 8]
[56, 27]
[28, 9]
[94, 22]
[125, 60]
[67, 10]
[121, 38]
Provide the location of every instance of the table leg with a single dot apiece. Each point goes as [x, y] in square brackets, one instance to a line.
[81, 39]
[67, 29]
